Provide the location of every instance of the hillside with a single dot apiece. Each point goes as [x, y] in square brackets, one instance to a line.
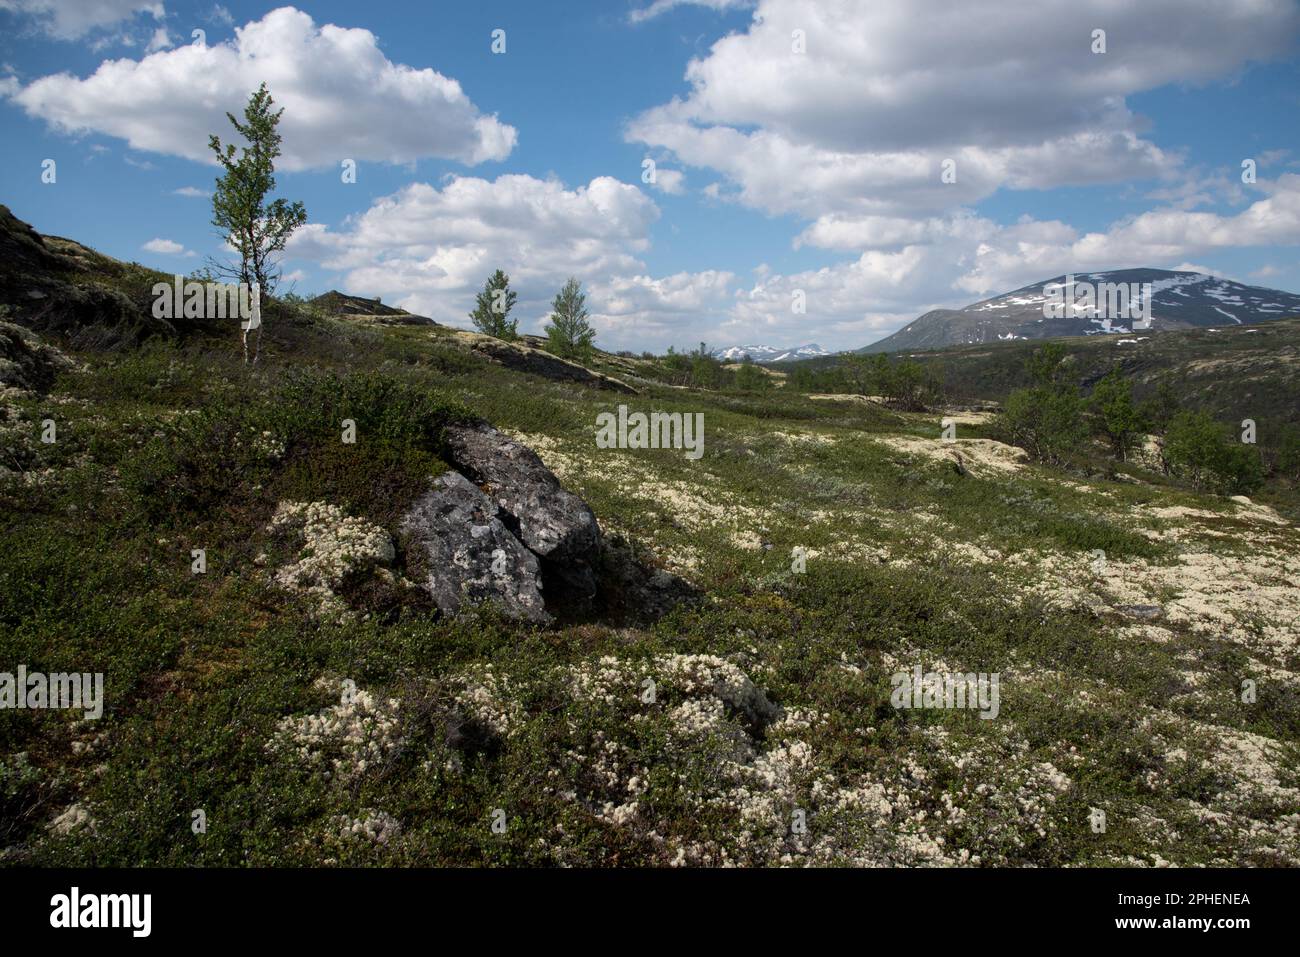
[335, 303]
[1178, 300]
[1233, 372]
[316, 694]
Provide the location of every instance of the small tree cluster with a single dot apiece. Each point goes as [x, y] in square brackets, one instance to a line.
[903, 383]
[750, 378]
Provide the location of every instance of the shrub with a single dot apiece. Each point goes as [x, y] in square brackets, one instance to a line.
[1199, 450]
[802, 379]
[1046, 421]
[1117, 419]
[1287, 462]
[750, 378]
[904, 383]
[706, 369]
[293, 439]
[1159, 409]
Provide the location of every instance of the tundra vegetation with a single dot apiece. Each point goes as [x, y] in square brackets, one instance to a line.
[319, 712]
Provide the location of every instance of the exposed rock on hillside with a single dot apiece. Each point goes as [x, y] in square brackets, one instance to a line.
[524, 356]
[53, 285]
[469, 555]
[340, 304]
[503, 530]
[551, 521]
[26, 362]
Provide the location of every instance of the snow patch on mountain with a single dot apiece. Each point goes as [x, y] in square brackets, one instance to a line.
[765, 354]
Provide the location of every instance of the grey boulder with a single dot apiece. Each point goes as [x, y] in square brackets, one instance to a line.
[551, 521]
[471, 557]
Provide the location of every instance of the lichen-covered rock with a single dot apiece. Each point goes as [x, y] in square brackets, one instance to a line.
[551, 521]
[27, 363]
[522, 356]
[470, 555]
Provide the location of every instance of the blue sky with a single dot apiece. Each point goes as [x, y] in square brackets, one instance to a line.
[778, 169]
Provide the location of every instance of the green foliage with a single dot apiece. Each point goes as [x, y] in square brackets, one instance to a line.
[903, 383]
[706, 371]
[569, 335]
[255, 228]
[1201, 451]
[293, 439]
[907, 385]
[1117, 418]
[491, 315]
[1044, 364]
[1159, 409]
[750, 378]
[860, 373]
[801, 379]
[1045, 421]
[1288, 453]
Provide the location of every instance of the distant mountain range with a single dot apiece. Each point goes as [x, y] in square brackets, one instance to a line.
[765, 354]
[1178, 300]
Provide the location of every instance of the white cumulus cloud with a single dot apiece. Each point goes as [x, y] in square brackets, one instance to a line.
[343, 98]
[430, 249]
[862, 119]
[73, 19]
[165, 247]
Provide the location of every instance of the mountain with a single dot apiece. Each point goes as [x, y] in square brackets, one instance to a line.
[1178, 300]
[766, 354]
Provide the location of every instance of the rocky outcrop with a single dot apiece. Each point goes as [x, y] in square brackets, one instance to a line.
[523, 357]
[358, 308]
[53, 285]
[551, 521]
[502, 530]
[466, 555]
[27, 363]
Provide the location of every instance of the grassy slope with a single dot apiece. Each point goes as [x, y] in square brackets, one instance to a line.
[908, 563]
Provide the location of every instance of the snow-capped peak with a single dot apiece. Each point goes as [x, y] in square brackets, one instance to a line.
[766, 354]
